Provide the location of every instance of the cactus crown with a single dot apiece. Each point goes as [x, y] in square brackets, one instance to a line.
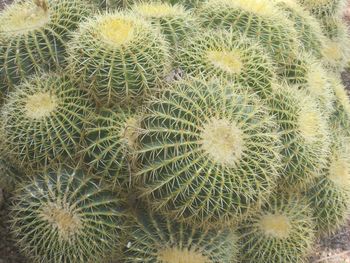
[222, 141]
[159, 10]
[228, 61]
[176, 255]
[40, 105]
[21, 18]
[116, 31]
[62, 218]
[258, 7]
[332, 50]
[309, 125]
[339, 171]
[275, 225]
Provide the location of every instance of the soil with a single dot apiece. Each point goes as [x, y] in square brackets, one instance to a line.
[334, 249]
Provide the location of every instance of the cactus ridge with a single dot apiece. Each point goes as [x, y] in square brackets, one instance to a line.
[330, 196]
[158, 239]
[111, 139]
[175, 23]
[221, 54]
[304, 134]
[34, 37]
[64, 216]
[121, 55]
[43, 120]
[262, 21]
[283, 231]
[202, 146]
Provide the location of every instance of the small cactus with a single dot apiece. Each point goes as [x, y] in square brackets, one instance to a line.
[64, 216]
[261, 20]
[304, 134]
[153, 238]
[174, 22]
[111, 139]
[221, 54]
[33, 35]
[208, 152]
[283, 232]
[120, 55]
[43, 120]
[330, 196]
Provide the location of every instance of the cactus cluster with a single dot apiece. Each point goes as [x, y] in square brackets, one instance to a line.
[173, 131]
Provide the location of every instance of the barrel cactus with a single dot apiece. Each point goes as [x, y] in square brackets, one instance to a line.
[222, 54]
[208, 152]
[111, 139]
[34, 35]
[152, 238]
[262, 21]
[120, 55]
[64, 216]
[330, 196]
[304, 134]
[174, 22]
[283, 231]
[322, 8]
[43, 120]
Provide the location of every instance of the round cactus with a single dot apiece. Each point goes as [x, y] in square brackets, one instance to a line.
[121, 55]
[330, 196]
[335, 51]
[307, 27]
[322, 8]
[308, 74]
[174, 22]
[64, 216]
[152, 238]
[221, 54]
[208, 152]
[111, 138]
[283, 231]
[33, 35]
[43, 120]
[304, 134]
[261, 20]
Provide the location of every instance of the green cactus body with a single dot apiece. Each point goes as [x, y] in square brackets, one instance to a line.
[174, 22]
[221, 54]
[121, 55]
[335, 51]
[330, 196]
[155, 239]
[117, 4]
[63, 216]
[308, 74]
[283, 232]
[111, 139]
[304, 134]
[43, 120]
[324, 8]
[262, 21]
[33, 35]
[307, 27]
[208, 152]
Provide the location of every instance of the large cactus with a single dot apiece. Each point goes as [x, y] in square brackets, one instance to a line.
[304, 133]
[111, 139]
[43, 120]
[33, 35]
[283, 232]
[209, 152]
[222, 54]
[152, 238]
[63, 216]
[121, 55]
[263, 21]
